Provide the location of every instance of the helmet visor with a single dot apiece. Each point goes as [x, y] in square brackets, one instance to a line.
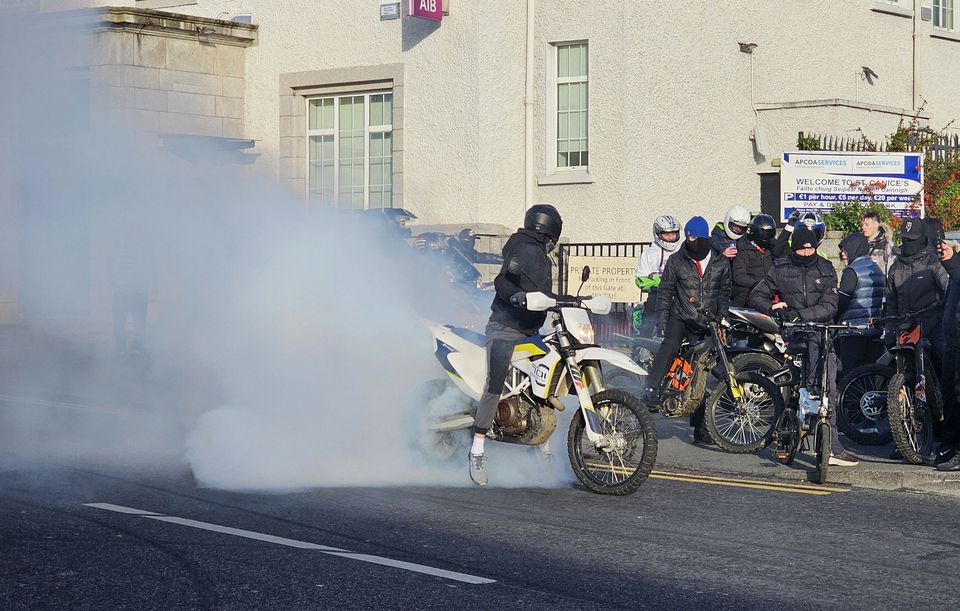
[738, 229]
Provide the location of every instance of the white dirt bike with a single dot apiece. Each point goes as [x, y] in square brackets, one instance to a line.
[612, 441]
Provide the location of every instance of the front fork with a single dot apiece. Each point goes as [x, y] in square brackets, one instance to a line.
[736, 389]
[590, 416]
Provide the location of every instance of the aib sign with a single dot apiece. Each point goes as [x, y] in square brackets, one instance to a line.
[425, 9]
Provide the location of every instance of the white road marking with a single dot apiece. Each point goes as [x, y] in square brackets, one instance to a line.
[121, 509]
[332, 551]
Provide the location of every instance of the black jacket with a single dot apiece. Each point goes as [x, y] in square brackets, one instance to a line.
[719, 240]
[914, 283]
[682, 292]
[809, 290]
[748, 268]
[950, 379]
[530, 248]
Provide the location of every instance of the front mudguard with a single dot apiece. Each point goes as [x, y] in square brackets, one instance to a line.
[606, 355]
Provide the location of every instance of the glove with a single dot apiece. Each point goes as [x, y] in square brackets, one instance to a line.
[519, 300]
[791, 221]
[790, 315]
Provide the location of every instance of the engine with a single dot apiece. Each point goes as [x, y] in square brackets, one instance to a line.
[512, 416]
[521, 422]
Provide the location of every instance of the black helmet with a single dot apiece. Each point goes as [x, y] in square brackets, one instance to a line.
[545, 219]
[762, 230]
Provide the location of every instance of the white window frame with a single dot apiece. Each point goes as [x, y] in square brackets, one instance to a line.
[940, 12]
[556, 174]
[335, 132]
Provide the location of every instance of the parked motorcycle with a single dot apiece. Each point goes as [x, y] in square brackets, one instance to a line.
[862, 402]
[611, 442]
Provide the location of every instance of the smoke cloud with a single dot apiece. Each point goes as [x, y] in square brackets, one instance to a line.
[283, 346]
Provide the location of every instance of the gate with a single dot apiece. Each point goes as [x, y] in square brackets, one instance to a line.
[618, 321]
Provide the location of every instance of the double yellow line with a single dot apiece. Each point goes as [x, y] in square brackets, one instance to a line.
[728, 481]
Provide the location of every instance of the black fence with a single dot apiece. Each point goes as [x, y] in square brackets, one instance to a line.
[618, 321]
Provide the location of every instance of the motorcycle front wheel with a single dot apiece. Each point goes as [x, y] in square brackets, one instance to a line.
[910, 423]
[744, 425]
[622, 467]
[862, 405]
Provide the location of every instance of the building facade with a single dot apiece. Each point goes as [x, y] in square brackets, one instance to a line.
[632, 109]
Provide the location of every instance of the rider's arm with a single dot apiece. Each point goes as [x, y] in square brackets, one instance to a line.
[667, 290]
[952, 267]
[726, 289]
[848, 284]
[761, 297]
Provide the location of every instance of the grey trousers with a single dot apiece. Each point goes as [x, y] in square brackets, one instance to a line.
[500, 343]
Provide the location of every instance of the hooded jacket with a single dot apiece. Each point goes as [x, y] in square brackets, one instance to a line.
[861, 282]
[749, 267]
[914, 283]
[809, 290]
[684, 293]
[882, 250]
[530, 249]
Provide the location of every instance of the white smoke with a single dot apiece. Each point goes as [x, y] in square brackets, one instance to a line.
[284, 348]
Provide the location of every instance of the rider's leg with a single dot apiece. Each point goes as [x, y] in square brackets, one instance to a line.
[500, 343]
[673, 336]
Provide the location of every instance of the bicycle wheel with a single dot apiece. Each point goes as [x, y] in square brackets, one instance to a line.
[911, 424]
[787, 435]
[628, 428]
[862, 404]
[824, 441]
[744, 425]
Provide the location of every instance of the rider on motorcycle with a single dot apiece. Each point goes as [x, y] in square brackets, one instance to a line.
[726, 234]
[526, 269]
[803, 287]
[753, 258]
[666, 240]
[695, 286]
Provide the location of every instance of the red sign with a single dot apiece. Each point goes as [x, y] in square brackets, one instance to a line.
[425, 9]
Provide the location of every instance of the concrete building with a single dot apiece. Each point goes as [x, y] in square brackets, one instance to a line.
[616, 111]
[638, 108]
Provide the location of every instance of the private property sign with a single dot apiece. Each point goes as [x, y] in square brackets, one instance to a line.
[815, 180]
[425, 9]
[613, 277]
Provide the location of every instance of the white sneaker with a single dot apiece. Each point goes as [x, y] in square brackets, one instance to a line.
[809, 403]
[478, 469]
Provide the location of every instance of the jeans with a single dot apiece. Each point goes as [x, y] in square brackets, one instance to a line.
[500, 343]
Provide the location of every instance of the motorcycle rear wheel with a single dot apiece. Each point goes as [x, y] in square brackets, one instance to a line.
[862, 405]
[910, 424]
[623, 469]
[745, 425]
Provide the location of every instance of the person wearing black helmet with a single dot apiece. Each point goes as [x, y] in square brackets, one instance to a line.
[526, 269]
[753, 258]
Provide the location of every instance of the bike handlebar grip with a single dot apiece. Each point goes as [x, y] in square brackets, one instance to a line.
[519, 300]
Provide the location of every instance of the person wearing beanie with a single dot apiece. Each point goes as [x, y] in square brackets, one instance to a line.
[803, 287]
[695, 287]
[860, 299]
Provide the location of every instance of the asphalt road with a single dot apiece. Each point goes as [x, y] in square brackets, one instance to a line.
[677, 543]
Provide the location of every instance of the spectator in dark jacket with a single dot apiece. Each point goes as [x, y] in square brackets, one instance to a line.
[803, 287]
[915, 282]
[753, 258]
[695, 286]
[860, 299]
[526, 269]
[950, 378]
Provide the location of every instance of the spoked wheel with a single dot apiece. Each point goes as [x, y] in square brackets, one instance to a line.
[824, 441]
[786, 434]
[862, 405]
[744, 425]
[627, 381]
[628, 429]
[433, 401]
[910, 422]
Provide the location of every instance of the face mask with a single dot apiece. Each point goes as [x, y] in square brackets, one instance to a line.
[912, 247]
[807, 260]
[697, 249]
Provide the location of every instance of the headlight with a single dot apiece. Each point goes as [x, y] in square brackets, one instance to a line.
[583, 332]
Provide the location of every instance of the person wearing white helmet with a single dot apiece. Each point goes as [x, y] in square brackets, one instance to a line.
[724, 236]
[666, 241]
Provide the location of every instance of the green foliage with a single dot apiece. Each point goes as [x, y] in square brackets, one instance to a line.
[946, 206]
[846, 217]
[807, 143]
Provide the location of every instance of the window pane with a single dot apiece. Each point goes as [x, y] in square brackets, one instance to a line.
[320, 163]
[572, 60]
[381, 170]
[320, 114]
[387, 109]
[563, 60]
[351, 134]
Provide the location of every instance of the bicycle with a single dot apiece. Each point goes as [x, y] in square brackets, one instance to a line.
[805, 417]
[914, 397]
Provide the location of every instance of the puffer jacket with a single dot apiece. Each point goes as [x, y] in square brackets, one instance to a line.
[810, 289]
[530, 248]
[749, 267]
[684, 294]
[914, 283]
[866, 297]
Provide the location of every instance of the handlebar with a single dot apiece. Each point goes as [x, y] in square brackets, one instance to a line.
[539, 302]
[823, 325]
[909, 315]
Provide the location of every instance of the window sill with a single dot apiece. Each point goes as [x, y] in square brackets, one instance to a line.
[891, 9]
[572, 177]
[945, 35]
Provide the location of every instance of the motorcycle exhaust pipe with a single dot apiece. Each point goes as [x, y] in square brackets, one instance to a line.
[452, 423]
